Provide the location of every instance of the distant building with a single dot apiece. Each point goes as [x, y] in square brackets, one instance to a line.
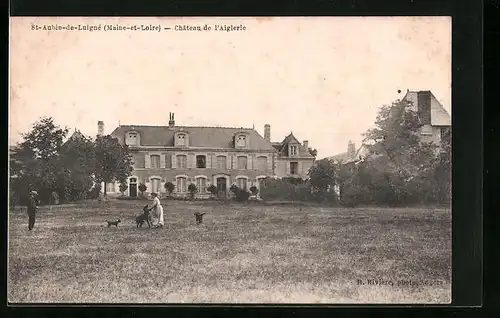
[436, 120]
[436, 124]
[205, 156]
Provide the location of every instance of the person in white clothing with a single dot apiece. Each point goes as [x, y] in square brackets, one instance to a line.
[156, 206]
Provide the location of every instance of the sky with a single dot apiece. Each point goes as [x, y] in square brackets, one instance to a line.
[324, 79]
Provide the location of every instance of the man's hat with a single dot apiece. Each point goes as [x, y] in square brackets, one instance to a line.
[34, 192]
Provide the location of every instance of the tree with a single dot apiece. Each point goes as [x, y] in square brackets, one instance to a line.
[142, 188]
[399, 163]
[78, 159]
[123, 188]
[34, 162]
[192, 189]
[113, 161]
[170, 187]
[322, 175]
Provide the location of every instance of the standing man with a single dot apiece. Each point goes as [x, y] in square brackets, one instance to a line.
[32, 209]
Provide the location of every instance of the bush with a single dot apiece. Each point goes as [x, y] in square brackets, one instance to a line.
[285, 190]
[170, 187]
[123, 187]
[239, 194]
[142, 188]
[93, 193]
[192, 190]
[212, 189]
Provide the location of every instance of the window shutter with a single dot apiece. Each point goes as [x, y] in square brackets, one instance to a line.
[147, 161]
[162, 161]
[299, 167]
[250, 162]
[228, 163]
[208, 163]
[269, 163]
[287, 170]
[191, 161]
[174, 161]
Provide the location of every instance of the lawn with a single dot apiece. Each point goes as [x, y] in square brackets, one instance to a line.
[240, 254]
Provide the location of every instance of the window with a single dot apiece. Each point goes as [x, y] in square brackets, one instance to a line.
[181, 185]
[294, 167]
[181, 139]
[182, 161]
[293, 150]
[241, 141]
[155, 185]
[262, 163]
[242, 162]
[201, 162]
[201, 184]
[110, 187]
[131, 138]
[221, 162]
[445, 134]
[241, 183]
[261, 182]
[155, 161]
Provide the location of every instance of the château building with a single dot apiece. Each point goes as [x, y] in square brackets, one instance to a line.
[204, 156]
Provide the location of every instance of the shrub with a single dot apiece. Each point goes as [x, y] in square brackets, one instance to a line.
[192, 190]
[123, 188]
[93, 193]
[239, 194]
[212, 189]
[142, 188]
[170, 187]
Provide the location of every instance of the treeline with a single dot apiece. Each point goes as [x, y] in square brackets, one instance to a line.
[398, 168]
[47, 161]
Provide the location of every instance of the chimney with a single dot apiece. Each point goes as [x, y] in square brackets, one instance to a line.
[306, 144]
[267, 132]
[171, 121]
[351, 150]
[424, 107]
[100, 128]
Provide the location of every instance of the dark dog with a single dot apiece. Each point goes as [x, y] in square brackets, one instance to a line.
[115, 223]
[199, 217]
[144, 217]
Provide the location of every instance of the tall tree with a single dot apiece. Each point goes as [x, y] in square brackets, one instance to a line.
[399, 161]
[34, 162]
[78, 157]
[113, 161]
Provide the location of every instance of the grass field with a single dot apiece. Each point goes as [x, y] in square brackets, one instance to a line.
[240, 254]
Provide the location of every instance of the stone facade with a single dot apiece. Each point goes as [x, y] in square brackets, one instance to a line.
[204, 156]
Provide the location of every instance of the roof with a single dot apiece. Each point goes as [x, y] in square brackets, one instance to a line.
[207, 137]
[345, 158]
[439, 115]
[303, 151]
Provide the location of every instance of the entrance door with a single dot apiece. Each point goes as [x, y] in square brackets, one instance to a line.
[221, 186]
[133, 187]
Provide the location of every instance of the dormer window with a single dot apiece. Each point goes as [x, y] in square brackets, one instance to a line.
[293, 150]
[132, 138]
[181, 139]
[241, 141]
